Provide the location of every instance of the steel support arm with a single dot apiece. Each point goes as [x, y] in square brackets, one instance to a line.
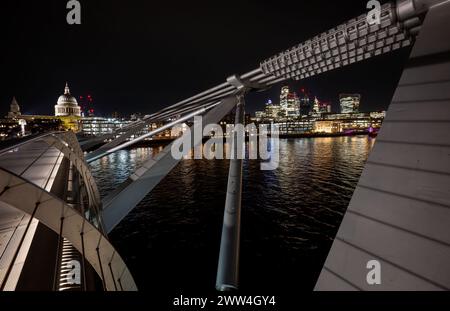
[137, 186]
[228, 267]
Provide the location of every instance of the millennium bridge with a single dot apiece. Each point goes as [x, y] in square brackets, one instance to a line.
[52, 215]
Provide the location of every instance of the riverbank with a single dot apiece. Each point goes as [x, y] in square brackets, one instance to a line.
[164, 141]
[312, 135]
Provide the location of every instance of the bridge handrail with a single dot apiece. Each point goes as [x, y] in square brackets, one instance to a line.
[70, 224]
[77, 158]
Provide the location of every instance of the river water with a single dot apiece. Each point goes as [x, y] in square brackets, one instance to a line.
[289, 218]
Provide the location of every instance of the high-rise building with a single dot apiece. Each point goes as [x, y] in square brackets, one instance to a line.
[349, 103]
[324, 107]
[316, 107]
[290, 103]
[305, 103]
[283, 95]
[271, 111]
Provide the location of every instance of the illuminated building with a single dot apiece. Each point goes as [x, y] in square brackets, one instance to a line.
[295, 127]
[316, 109]
[378, 115]
[349, 103]
[259, 116]
[329, 127]
[25, 125]
[9, 128]
[95, 126]
[68, 111]
[342, 116]
[17, 124]
[67, 105]
[67, 117]
[324, 107]
[271, 111]
[293, 107]
[14, 110]
[357, 123]
[290, 103]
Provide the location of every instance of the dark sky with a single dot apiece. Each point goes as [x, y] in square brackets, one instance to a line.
[139, 56]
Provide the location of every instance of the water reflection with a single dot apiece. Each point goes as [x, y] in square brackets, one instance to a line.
[289, 217]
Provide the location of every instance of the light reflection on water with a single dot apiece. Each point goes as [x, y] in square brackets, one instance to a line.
[289, 217]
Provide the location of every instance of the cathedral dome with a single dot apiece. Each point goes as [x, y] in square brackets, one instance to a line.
[66, 99]
[67, 105]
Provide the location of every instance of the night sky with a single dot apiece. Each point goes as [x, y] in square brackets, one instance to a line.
[140, 56]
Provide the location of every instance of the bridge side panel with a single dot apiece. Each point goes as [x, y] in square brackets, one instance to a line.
[400, 211]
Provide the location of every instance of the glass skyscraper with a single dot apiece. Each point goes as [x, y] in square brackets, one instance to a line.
[349, 103]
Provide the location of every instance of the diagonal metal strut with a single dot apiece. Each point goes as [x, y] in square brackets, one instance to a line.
[228, 267]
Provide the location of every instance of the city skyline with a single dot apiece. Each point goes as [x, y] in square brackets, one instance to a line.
[88, 106]
[127, 64]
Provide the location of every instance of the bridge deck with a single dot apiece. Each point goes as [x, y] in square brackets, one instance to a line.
[37, 162]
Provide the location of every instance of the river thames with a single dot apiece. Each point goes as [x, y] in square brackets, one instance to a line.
[289, 215]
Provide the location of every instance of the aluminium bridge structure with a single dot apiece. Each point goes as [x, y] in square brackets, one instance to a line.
[51, 213]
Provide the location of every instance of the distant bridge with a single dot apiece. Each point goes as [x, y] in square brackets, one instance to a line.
[399, 213]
